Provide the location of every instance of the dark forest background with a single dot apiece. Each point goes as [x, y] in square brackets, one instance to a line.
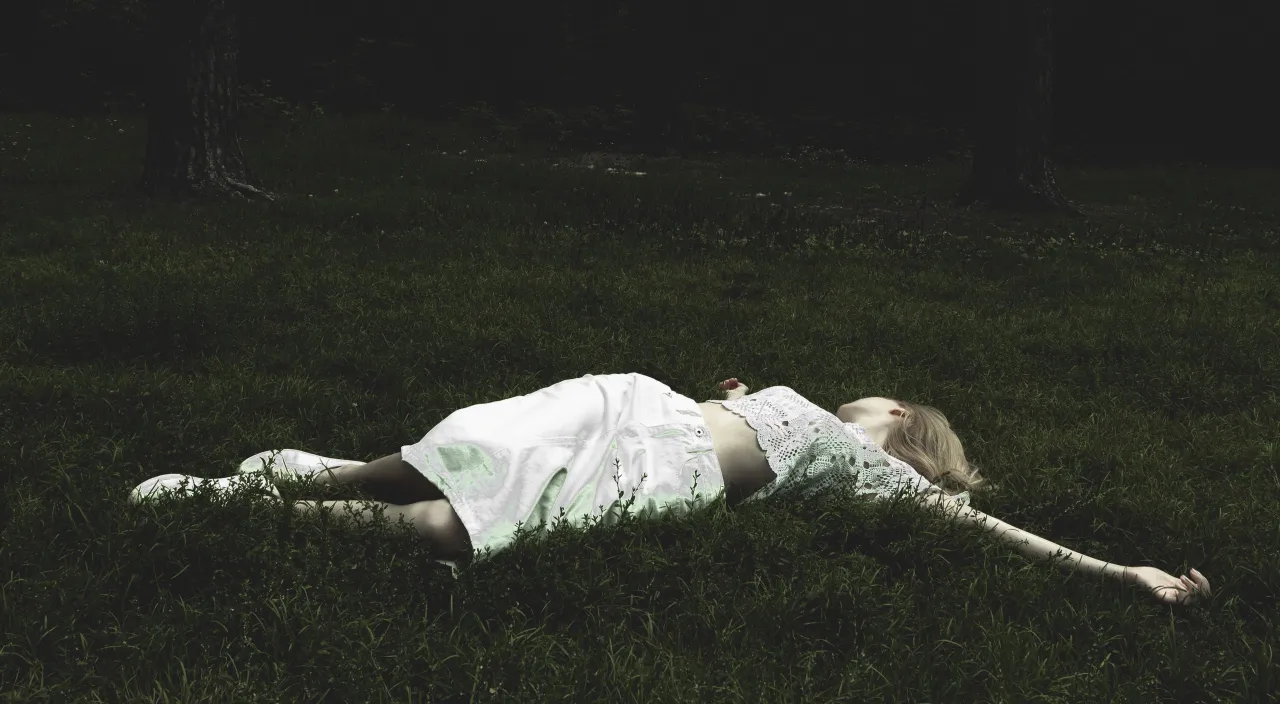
[1110, 366]
[1132, 80]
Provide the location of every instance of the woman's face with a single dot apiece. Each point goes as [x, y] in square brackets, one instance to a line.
[876, 414]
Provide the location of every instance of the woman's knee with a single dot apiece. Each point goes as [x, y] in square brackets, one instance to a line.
[440, 526]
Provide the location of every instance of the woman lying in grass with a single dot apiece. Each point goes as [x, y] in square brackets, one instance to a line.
[567, 450]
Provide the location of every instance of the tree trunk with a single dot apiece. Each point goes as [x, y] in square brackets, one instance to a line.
[193, 146]
[1011, 127]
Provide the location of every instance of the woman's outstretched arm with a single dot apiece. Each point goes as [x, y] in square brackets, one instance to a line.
[1029, 544]
[1163, 586]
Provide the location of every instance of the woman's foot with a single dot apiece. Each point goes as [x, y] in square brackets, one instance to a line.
[183, 485]
[290, 464]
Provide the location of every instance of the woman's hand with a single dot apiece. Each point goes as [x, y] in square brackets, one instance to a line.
[733, 388]
[1166, 588]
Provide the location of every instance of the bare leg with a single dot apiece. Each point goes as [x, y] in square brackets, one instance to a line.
[434, 521]
[388, 479]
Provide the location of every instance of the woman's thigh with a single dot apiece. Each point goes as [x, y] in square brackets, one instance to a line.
[392, 479]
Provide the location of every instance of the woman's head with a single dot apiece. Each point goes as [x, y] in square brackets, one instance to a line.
[918, 435]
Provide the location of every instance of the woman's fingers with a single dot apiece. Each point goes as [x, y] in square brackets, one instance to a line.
[1197, 585]
[1182, 589]
[1201, 580]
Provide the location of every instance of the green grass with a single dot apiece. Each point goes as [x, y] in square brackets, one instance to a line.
[1115, 377]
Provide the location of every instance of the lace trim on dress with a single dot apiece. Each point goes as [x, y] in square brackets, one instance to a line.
[811, 450]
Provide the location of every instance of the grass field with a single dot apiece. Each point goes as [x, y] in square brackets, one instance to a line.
[1115, 377]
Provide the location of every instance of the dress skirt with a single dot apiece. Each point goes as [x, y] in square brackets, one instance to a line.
[570, 449]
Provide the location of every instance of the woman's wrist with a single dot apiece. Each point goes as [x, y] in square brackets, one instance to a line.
[1110, 570]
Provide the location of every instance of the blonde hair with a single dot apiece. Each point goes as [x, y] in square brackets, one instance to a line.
[924, 439]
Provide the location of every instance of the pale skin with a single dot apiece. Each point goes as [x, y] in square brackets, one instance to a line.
[403, 492]
[878, 415]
